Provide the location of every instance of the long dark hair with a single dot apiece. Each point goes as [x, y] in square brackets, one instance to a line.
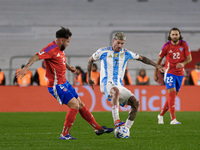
[169, 38]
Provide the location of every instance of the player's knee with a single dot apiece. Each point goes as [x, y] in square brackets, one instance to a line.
[73, 104]
[81, 105]
[115, 91]
[171, 103]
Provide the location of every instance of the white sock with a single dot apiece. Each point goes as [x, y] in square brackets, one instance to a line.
[115, 112]
[129, 123]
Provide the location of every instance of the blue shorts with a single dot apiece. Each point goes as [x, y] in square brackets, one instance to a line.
[173, 81]
[63, 92]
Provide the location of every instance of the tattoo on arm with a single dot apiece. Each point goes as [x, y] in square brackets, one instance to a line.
[147, 61]
[32, 60]
[68, 66]
[89, 67]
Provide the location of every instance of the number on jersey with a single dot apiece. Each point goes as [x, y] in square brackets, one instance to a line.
[176, 55]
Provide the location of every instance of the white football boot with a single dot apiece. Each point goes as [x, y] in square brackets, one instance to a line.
[160, 119]
[175, 122]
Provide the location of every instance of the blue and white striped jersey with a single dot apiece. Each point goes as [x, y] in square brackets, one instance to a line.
[113, 64]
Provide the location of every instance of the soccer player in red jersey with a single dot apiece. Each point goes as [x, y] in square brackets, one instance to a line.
[177, 55]
[55, 62]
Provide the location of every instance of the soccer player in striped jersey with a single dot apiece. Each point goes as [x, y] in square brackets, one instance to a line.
[113, 64]
[55, 62]
[177, 55]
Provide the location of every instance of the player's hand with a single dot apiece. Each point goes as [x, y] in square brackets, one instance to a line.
[179, 65]
[73, 69]
[21, 73]
[161, 69]
[91, 83]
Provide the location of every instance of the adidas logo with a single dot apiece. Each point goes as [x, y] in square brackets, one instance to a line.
[110, 56]
[58, 55]
[170, 51]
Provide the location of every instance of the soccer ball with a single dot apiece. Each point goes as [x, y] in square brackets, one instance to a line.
[122, 132]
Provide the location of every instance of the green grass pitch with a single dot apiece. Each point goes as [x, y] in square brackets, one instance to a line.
[34, 131]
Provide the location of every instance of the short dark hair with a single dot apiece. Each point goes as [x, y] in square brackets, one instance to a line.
[141, 71]
[94, 65]
[63, 33]
[169, 38]
[79, 68]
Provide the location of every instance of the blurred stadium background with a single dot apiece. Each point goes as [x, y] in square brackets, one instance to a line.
[26, 26]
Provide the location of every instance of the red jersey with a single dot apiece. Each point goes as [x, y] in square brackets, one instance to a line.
[175, 54]
[55, 62]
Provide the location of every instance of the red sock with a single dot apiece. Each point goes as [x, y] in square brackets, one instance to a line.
[86, 114]
[165, 108]
[69, 120]
[171, 102]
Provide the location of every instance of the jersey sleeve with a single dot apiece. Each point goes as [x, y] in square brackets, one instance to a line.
[187, 49]
[163, 51]
[132, 55]
[97, 54]
[46, 53]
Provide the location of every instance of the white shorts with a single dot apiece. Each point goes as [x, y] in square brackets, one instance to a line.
[125, 94]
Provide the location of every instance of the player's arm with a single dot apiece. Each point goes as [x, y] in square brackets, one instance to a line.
[150, 62]
[23, 71]
[156, 70]
[187, 61]
[72, 69]
[89, 68]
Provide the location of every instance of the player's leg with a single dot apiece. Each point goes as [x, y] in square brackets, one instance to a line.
[173, 93]
[171, 84]
[134, 103]
[69, 119]
[114, 92]
[166, 105]
[64, 96]
[86, 114]
[163, 111]
[128, 98]
[165, 108]
[171, 102]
